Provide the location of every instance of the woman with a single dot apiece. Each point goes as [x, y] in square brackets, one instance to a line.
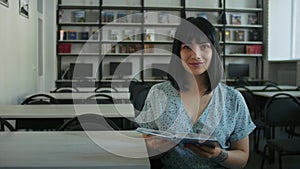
[193, 100]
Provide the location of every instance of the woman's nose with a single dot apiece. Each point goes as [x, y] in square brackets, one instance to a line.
[196, 53]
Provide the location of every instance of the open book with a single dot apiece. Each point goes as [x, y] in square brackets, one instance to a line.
[182, 138]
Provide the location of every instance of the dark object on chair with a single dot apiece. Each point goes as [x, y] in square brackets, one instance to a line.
[271, 87]
[282, 110]
[65, 90]
[138, 93]
[39, 99]
[5, 123]
[88, 122]
[250, 101]
[99, 98]
[39, 124]
[105, 89]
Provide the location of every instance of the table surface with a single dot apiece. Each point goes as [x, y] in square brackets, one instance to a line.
[66, 110]
[92, 89]
[97, 149]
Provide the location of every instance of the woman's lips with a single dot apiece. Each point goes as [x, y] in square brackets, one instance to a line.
[196, 64]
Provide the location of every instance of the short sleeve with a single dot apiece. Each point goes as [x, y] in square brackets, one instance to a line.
[152, 109]
[244, 124]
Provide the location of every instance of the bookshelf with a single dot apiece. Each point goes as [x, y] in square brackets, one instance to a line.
[140, 32]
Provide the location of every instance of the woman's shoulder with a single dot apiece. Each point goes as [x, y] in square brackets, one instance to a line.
[229, 91]
[165, 87]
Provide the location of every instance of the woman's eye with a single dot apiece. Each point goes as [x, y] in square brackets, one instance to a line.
[204, 46]
[185, 47]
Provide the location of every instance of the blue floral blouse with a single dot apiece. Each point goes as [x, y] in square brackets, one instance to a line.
[226, 118]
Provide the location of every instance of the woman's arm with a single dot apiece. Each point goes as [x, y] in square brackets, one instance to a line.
[237, 156]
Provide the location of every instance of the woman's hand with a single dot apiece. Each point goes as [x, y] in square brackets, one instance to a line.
[204, 151]
[158, 145]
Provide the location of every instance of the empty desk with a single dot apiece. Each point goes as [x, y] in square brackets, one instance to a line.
[100, 149]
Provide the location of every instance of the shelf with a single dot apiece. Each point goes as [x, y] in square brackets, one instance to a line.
[78, 24]
[159, 42]
[121, 24]
[161, 24]
[243, 42]
[242, 55]
[244, 10]
[204, 9]
[78, 41]
[121, 7]
[121, 42]
[243, 26]
[163, 8]
[78, 7]
[77, 54]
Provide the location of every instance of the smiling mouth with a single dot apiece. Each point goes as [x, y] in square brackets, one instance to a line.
[196, 64]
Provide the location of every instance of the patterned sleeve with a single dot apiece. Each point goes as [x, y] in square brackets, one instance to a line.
[243, 122]
[151, 110]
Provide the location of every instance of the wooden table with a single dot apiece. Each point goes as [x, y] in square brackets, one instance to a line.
[73, 150]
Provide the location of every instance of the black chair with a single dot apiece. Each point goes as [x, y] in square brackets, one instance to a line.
[268, 82]
[138, 93]
[99, 98]
[105, 89]
[88, 122]
[4, 123]
[250, 101]
[298, 88]
[241, 82]
[282, 110]
[271, 87]
[39, 99]
[65, 90]
[39, 124]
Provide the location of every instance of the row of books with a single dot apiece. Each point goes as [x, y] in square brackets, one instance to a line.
[236, 19]
[239, 35]
[74, 35]
[253, 49]
[64, 48]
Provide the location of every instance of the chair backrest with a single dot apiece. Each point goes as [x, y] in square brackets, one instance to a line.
[271, 87]
[88, 122]
[99, 98]
[65, 90]
[241, 82]
[249, 99]
[5, 123]
[282, 109]
[268, 82]
[138, 93]
[298, 88]
[105, 89]
[39, 99]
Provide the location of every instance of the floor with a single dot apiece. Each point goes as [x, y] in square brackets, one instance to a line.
[288, 162]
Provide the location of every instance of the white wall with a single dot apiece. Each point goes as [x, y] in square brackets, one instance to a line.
[18, 46]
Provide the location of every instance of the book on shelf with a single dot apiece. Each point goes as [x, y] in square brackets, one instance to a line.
[128, 34]
[115, 34]
[83, 35]
[239, 35]
[78, 16]
[253, 49]
[107, 16]
[228, 35]
[72, 35]
[63, 35]
[64, 48]
[181, 137]
[149, 34]
[252, 19]
[163, 17]
[122, 17]
[253, 35]
[236, 19]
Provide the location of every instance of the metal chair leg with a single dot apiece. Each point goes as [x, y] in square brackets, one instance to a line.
[264, 157]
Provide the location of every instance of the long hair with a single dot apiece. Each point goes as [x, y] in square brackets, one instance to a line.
[195, 29]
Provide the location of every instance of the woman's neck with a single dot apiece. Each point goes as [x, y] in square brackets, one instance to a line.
[197, 83]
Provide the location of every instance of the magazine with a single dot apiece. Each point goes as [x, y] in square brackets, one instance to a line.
[182, 138]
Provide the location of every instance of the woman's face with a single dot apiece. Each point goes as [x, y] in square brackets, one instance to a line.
[196, 57]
